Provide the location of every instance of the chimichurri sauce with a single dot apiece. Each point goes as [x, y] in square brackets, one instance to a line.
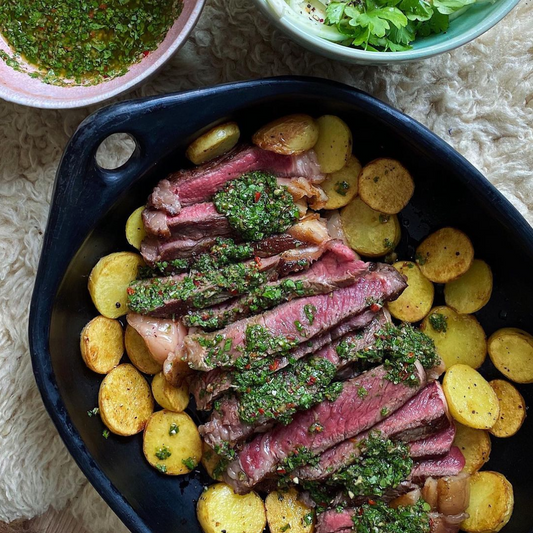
[84, 40]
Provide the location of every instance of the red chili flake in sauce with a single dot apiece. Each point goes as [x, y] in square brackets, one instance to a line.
[261, 411]
[274, 365]
[312, 380]
[375, 308]
[257, 197]
[146, 53]
[130, 291]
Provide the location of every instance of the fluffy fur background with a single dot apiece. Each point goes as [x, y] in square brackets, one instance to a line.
[478, 98]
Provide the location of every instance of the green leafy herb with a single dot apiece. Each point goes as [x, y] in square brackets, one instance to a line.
[439, 322]
[285, 528]
[105, 433]
[174, 429]
[161, 468]
[163, 453]
[309, 311]
[342, 187]
[93, 412]
[190, 463]
[307, 520]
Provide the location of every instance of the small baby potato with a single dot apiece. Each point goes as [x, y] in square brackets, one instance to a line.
[170, 397]
[511, 351]
[512, 409]
[334, 145]
[290, 135]
[471, 399]
[386, 185]
[214, 143]
[221, 510]
[369, 232]
[171, 443]
[341, 186]
[125, 401]
[416, 300]
[285, 512]
[211, 461]
[109, 280]
[491, 503]
[458, 338]
[472, 291]
[102, 344]
[139, 354]
[445, 255]
[135, 232]
[475, 446]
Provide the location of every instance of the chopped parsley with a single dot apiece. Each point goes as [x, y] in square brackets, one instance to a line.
[302, 456]
[174, 429]
[161, 468]
[105, 433]
[307, 519]
[384, 411]
[438, 322]
[93, 412]
[362, 392]
[163, 453]
[285, 528]
[190, 463]
[342, 187]
[309, 312]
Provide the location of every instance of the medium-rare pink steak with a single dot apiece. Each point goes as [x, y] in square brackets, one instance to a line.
[438, 444]
[199, 184]
[349, 415]
[289, 324]
[448, 465]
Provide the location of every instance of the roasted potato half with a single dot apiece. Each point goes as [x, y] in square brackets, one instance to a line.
[386, 185]
[369, 232]
[416, 300]
[170, 397]
[139, 355]
[471, 399]
[211, 460]
[135, 232]
[511, 351]
[171, 443]
[445, 255]
[102, 344]
[458, 338]
[290, 135]
[341, 186]
[285, 512]
[214, 143]
[475, 445]
[109, 280]
[512, 409]
[472, 291]
[125, 401]
[491, 503]
[221, 510]
[334, 145]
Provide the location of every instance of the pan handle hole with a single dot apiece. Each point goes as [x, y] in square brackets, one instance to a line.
[115, 151]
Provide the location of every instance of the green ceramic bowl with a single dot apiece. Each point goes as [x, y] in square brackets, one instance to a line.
[471, 24]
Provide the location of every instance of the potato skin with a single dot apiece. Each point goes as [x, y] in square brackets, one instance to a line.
[512, 409]
[285, 512]
[344, 180]
[135, 232]
[511, 351]
[125, 401]
[334, 145]
[210, 461]
[214, 143]
[169, 397]
[102, 344]
[220, 510]
[475, 445]
[139, 355]
[289, 135]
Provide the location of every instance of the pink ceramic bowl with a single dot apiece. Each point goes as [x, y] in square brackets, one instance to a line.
[20, 88]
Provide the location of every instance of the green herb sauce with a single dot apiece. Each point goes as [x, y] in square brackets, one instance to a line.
[163, 453]
[438, 322]
[342, 187]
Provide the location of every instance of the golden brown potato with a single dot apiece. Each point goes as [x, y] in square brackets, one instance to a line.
[125, 401]
[474, 444]
[170, 397]
[416, 300]
[221, 510]
[139, 354]
[472, 291]
[341, 186]
[511, 351]
[171, 443]
[512, 409]
[491, 503]
[214, 143]
[109, 280]
[102, 344]
[458, 338]
[386, 185]
[211, 461]
[334, 145]
[368, 232]
[135, 232]
[471, 400]
[285, 512]
[445, 255]
[290, 135]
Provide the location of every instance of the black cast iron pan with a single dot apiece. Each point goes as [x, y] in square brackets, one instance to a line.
[89, 209]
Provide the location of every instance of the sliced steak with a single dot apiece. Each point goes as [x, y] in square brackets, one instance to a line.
[421, 416]
[338, 267]
[208, 386]
[380, 282]
[438, 444]
[347, 416]
[225, 424]
[450, 464]
[199, 184]
[334, 521]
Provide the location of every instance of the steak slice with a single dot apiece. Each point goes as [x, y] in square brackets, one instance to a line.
[420, 417]
[288, 323]
[450, 464]
[208, 386]
[225, 424]
[347, 416]
[438, 444]
[338, 267]
[199, 184]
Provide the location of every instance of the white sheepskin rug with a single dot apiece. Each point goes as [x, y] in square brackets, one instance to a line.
[478, 98]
